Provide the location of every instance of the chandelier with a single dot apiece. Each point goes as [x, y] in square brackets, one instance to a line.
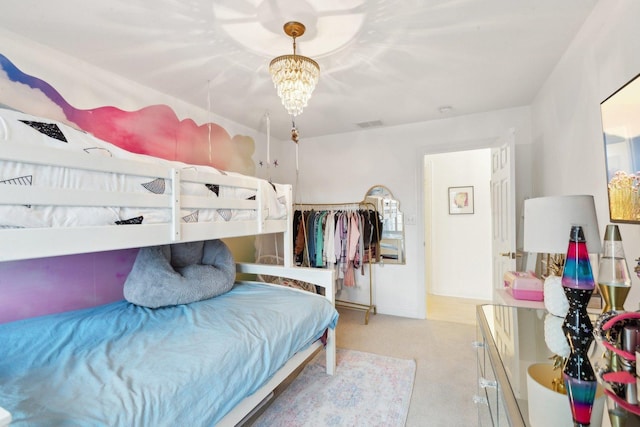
[294, 76]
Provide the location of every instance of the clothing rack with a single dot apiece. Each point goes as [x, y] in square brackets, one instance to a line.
[367, 308]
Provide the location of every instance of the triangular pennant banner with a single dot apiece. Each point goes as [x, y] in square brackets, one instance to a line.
[50, 129]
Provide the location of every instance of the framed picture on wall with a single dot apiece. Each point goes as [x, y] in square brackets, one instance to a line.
[621, 130]
[460, 200]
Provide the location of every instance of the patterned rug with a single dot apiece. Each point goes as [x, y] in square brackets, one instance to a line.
[366, 390]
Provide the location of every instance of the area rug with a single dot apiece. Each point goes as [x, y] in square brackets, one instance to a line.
[366, 390]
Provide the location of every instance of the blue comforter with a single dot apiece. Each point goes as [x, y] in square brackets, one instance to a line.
[186, 365]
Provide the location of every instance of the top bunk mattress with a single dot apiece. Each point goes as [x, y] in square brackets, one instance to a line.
[229, 196]
[123, 365]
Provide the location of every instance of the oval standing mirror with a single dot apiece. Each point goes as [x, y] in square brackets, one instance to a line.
[392, 236]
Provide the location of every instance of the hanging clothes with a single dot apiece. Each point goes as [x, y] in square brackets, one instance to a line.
[357, 262]
[343, 239]
[341, 233]
[300, 221]
[329, 250]
[340, 239]
[311, 238]
[353, 240]
[319, 230]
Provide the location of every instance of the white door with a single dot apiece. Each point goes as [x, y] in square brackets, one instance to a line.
[503, 210]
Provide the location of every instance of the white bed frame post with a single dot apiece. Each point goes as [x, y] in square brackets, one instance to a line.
[288, 234]
[175, 205]
[262, 208]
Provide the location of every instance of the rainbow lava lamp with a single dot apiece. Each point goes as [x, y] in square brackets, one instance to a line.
[578, 284]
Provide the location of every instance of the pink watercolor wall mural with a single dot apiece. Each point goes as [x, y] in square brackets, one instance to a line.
[155, 130]
[37, 287]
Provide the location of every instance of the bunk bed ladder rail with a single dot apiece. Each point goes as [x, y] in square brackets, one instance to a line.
[175, 205]
[288, 234]
[263, 211]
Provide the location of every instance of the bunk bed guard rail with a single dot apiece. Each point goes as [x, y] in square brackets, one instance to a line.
[26, 243]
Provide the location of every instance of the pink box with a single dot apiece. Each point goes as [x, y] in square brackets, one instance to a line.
[524, 285]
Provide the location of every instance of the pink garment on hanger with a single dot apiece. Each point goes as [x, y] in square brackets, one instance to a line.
[341, 236]
[353, 241]
[354, 235]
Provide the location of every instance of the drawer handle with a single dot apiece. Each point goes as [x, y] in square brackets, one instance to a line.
[480, 400]
[484, 383]
[477, 344]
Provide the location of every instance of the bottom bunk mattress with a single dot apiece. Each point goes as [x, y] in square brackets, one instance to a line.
[121, 364]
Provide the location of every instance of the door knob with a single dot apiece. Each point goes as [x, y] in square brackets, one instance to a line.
[511, 255]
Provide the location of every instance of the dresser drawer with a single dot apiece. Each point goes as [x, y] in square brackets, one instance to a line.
[492, 383]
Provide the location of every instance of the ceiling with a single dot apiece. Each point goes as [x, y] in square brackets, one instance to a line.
[382, 62]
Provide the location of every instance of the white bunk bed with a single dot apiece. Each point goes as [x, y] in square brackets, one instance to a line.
[266, 210]
[112, 184]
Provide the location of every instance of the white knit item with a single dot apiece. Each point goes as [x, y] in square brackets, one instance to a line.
[554, 336]
[555, 300]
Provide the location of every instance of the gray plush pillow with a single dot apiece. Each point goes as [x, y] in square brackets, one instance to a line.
[180, 274]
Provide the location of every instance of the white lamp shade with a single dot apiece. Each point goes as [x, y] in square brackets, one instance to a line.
[548, 222]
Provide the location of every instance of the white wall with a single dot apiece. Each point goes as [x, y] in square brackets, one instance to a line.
[341, 168]
[85, 86]
[567, 129]
[460, 254]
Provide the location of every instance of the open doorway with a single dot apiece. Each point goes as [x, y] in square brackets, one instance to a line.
[458, 255]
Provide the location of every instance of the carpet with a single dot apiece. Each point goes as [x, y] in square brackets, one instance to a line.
[366, 390]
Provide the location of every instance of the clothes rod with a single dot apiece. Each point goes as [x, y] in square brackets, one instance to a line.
[350, 205]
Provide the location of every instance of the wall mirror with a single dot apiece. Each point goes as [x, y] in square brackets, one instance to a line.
[621, 129]
[392, 237]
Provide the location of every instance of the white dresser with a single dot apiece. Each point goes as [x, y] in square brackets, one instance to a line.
[509, 340]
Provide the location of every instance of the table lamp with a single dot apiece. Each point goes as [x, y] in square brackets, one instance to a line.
[549, 222]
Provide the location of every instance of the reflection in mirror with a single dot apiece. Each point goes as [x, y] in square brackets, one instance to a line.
[621, 128]
[392, 238]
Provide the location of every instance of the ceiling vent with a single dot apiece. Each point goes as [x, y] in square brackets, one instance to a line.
[370, 124]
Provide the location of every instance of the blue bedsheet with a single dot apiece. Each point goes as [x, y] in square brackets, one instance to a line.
[124, 365]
